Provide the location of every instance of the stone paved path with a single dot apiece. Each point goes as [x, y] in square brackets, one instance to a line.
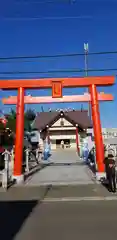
[65, 168]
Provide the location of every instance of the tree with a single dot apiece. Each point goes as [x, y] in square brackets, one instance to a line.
[11, 121]
[30, 115]
[13, 114]
[28, 118]
[11, 124]
[2, 127]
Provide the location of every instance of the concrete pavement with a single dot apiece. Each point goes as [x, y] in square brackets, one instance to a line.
[65, 168]
[79, 220]
[49, 192]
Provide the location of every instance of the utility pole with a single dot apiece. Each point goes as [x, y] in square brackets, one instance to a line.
[86, 50]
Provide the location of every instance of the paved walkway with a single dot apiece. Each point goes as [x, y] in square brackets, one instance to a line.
[65, 168]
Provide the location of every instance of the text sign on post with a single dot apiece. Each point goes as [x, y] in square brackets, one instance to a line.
[56, 89]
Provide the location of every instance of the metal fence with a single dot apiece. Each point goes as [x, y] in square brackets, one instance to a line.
[32, 159]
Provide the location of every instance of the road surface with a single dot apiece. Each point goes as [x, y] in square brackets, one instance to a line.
[91, 220]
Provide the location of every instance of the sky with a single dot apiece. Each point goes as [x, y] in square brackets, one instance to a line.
[50, 27]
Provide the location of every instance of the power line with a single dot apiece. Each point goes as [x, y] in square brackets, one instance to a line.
[42, 56]
[56, 56]
[45, 1]
[59, 71]
[46, 18]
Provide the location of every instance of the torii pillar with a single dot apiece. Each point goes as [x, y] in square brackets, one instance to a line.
[77, 140]
[97, 131]
[17, 174]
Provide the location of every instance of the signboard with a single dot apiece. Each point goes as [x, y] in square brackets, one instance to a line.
[56, 89]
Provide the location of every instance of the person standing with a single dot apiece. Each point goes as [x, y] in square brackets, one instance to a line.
[110, 172]
[62, 144]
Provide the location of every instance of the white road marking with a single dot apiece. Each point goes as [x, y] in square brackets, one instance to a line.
[78, 199]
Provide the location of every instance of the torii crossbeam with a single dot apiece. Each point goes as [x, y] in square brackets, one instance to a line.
[12, 100]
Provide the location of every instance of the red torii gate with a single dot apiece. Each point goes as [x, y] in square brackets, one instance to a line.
[57, 84]
[48, 99]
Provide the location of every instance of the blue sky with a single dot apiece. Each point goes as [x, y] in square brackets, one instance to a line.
[35, 27]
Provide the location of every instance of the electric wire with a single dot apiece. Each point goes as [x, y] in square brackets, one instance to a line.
[57, 55]
[58, 71]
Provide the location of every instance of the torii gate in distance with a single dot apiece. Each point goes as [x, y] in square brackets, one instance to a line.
[57, 84]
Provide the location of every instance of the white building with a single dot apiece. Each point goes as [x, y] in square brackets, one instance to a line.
[67, 126]
[109, 133]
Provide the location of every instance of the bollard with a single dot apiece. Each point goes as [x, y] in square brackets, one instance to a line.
[6, 169]
[37, 156]
[12, 163]
[27, 159]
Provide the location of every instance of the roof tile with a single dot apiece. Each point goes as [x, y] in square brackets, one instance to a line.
[48, 118]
